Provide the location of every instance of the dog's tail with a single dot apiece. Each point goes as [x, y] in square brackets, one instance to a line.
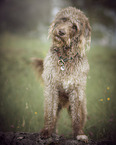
[38, 65]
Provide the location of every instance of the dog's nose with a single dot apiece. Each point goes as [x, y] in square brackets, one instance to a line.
[61, 32]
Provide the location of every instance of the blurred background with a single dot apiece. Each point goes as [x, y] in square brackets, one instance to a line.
[23, 34]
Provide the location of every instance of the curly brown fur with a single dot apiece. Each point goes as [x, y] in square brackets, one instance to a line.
[65, 71]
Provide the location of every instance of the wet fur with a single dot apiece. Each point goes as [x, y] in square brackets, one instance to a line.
[71, 37]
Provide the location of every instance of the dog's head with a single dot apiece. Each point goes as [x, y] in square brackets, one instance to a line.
[71, 29]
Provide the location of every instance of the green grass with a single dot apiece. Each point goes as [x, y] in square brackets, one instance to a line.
[21, 97]
[101, 93]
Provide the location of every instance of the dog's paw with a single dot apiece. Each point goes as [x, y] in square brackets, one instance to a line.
[45, 133]
[82, 138]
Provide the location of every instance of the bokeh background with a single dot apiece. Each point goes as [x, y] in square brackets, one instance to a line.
[23, 35]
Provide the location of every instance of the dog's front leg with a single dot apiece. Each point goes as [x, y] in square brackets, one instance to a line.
[76, 104]
[50, 111]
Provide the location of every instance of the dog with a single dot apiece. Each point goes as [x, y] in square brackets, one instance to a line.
[64, 71]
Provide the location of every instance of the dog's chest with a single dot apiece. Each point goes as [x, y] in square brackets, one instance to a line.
[67, 83]
[68, 79]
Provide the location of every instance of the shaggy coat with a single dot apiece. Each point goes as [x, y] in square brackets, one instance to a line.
[65, 70]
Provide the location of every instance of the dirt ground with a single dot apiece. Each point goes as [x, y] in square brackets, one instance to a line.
[21, 138]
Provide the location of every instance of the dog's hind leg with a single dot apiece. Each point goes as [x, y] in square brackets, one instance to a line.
[77, 114]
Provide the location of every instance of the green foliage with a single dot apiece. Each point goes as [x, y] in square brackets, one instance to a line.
[21, 105]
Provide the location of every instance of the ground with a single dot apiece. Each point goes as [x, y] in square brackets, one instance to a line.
[35, 139]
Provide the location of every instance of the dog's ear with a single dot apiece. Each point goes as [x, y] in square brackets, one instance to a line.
[51, 29]
[83, 37]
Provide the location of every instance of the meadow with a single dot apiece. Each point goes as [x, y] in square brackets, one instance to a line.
[21, 92]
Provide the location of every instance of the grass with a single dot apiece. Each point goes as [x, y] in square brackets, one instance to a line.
[101, 93]
[21, 97]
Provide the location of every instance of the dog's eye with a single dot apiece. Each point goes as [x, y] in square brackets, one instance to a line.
[64, 19]
[74, 27]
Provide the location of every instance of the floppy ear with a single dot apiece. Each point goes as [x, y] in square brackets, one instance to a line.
[51, 29]
[83, 37]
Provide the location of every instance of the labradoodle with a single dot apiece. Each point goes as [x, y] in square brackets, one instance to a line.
[65, 69]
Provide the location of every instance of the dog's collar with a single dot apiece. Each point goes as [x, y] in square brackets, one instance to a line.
[62, 61]
[66, 59]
